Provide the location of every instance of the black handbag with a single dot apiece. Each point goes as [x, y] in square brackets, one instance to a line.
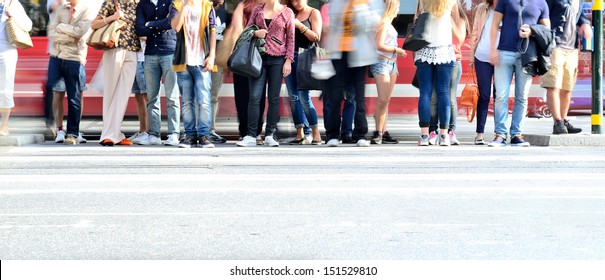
[246, 60]
[418, 35]
[305, 80]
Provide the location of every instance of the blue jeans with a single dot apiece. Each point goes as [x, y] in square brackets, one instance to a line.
[303, 111]
[156, 67]
[351, 81]
[271, 74]
[194, 85]
[70, 71]
[510, 63]
[485, 74]
[437, 76]
[456, 74]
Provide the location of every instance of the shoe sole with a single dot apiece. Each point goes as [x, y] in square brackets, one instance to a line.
[245, 145]
[207, 146]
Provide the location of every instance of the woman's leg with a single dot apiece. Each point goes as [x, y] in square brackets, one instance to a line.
[485, 74]
[275, 78]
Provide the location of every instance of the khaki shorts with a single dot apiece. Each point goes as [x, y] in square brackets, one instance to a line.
[563, 70]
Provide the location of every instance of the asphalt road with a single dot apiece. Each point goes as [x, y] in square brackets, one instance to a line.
[388, 202]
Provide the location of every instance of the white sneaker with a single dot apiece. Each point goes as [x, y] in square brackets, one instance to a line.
[308, 138]
[248, 141]
[453, 138]
[259, 140]
[60, 136]
[148, 139]
[270, 141]
[173, 140]
[333, 142]
[432, 138]
[81, 139]
[136, 138]
[362, 143]
[444, 140]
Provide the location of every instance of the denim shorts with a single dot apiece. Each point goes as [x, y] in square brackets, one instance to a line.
[139, 85]
[384, 67]
[60, 85]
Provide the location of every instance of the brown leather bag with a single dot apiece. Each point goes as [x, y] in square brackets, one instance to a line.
[470, 96]
[17, 36]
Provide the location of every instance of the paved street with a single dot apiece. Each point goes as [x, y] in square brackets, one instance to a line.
[387, 202]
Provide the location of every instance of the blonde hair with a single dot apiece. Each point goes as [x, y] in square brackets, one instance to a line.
[437, 8]
[390, 12]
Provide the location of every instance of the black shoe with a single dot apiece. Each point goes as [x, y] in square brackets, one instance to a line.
[300, 141]
[559, 128]
[348, 140]
[216, 139]
[204, 142]
[388, 139]
[376, 138]
[570, 128]
[188, 142]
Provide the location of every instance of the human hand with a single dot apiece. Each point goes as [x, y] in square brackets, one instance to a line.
[261, 33]
[524, 31]
[287, 68]
[494, 57]
[209, 63]
[586, 31]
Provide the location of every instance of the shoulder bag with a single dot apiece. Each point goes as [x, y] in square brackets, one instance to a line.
[107, 36]
[246, 60]
[305, 79]
[470, 96]
[418, 36]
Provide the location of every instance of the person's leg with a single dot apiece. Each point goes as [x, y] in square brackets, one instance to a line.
[454, 81]
[569, 81]
[71, 73]
[5, 112]
[241, 96]
[357, 77]
[503, 75]
[443, 77]
[425, 78]
[485, 74]
[54, 76]
[172, 94]
[348, 114]
[275, 77]
[522, 84]
[553, 82]
[295, 104]
[186, 88]
[256, 92]
[217, 83]
[142, 99]
[310, 113]
[58, 109]
[119, 70]
[201, 89]
[332, 98]
[434, 121]
[153, 78]
[8, 67]
[393, 81]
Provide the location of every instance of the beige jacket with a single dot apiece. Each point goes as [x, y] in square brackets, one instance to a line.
[481, 16]
[69, 34]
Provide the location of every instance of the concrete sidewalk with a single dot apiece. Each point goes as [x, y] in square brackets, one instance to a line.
[26, 130]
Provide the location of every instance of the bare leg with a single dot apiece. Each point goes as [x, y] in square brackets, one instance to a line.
[383, 84]
[5, 114]
[58, 107]
[565, 99]
[142, 100]
[554, 103]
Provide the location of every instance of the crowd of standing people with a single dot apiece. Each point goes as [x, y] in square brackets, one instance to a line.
[174, 43]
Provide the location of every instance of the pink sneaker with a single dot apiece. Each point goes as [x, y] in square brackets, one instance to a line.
[432, 138]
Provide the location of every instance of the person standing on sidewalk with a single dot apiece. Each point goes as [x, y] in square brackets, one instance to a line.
[8, 58]
[351, 47]
[194, 23]
[515, 16]
[385, 70]
[434, 65]
[153, 22]
[460, 29]
[308, 26]
[276, 25]
[222, 21]
[567, 18]
[139, 89]
[119, 68]
[480, 49]
[69, 31]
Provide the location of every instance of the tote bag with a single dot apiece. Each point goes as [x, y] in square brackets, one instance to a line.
[246, 60]
[418, 36]
[305, 79]
[107, 36]
[17, 36]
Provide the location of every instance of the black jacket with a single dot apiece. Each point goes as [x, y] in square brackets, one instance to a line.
[535, 50]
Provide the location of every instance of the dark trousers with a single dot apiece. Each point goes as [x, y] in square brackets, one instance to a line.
[485, 75]
[271, 77]
[241, 94]
[70, 71]
[334, 94]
